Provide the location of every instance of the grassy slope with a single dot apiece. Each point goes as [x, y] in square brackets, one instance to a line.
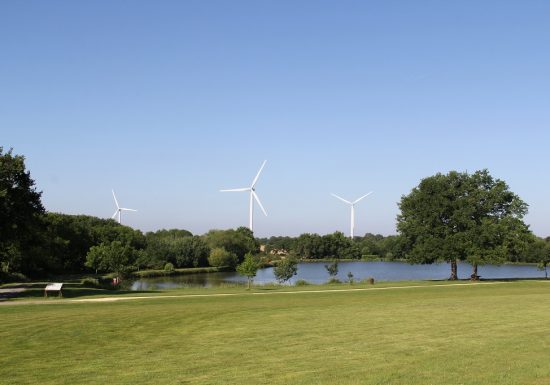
[483, 334]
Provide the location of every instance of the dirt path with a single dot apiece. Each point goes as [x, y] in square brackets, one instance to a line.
[10, 292]
[121, 298]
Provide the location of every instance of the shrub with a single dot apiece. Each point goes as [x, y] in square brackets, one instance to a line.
[221, 257]
[301, 282]
[169, 267]
[89, 282]
[334, 281]
[12, 277]
[350, 278]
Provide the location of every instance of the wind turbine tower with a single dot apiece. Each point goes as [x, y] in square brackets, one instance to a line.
[352, 204]
[253, 196]
[119, 209]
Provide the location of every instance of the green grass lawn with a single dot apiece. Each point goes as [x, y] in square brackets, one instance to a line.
[480, 334]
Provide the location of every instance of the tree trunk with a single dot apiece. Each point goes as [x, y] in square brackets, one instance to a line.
[249, 283]
[474, 276]
[454, 268]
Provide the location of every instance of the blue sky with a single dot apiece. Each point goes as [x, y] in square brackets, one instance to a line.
[169, 101]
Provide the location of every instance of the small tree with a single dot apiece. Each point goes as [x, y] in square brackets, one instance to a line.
[248, 268]
[350, 278]
[332, 269]
[285, 269]
[543, 265]
[544, 258]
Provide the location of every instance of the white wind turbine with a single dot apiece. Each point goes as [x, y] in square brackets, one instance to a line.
[119, 209]
[352, 204]
[253, 196]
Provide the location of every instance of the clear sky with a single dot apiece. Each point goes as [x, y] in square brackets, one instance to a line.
[169, 101]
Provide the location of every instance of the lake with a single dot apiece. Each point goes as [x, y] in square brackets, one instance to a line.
[315, 272]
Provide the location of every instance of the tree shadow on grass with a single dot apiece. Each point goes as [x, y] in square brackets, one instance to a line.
[35, 291]
[481, 279]
[511, 279]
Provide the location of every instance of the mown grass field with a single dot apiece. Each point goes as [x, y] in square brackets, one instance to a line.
[470, 334]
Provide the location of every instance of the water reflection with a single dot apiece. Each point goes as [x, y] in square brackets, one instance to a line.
[315, 272]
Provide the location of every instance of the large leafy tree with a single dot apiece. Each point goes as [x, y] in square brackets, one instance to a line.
[20, 211]
[238, 242]
[460, 216]
[114, 257]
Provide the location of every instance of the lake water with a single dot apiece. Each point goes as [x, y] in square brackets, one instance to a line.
[315, 272]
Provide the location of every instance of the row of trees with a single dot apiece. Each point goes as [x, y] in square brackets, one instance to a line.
[37, 243]
[447, 217]
[451, 217]
[334, 246]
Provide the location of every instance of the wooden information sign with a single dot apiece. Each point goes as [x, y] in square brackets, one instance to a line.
[53, 287]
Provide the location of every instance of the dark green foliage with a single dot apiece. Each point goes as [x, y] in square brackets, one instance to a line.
[20, 213]
[220, 257]
[330, 246]
[239, 242]
[68, 238]
[383, 247]
[461, 216]
[452, 217]
[539, 252]
[278, 243]
[113, 257]
[336, 246]
[308, 246]
[285, 269]
[178, 247]
[350, 277]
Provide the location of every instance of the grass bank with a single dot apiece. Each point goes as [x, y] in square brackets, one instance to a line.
[449, 334]
[186, 271]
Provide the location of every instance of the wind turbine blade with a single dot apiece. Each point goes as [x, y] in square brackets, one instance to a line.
[236, 189]
[259, 203]
[123, 209]
[116, 202]
[258, 174]
[114, 215]
[364, 196]
[342, 199]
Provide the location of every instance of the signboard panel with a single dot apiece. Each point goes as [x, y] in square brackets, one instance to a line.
[53, 286]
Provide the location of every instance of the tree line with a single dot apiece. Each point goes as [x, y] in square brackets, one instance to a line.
[448, 217]
[334, 246]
